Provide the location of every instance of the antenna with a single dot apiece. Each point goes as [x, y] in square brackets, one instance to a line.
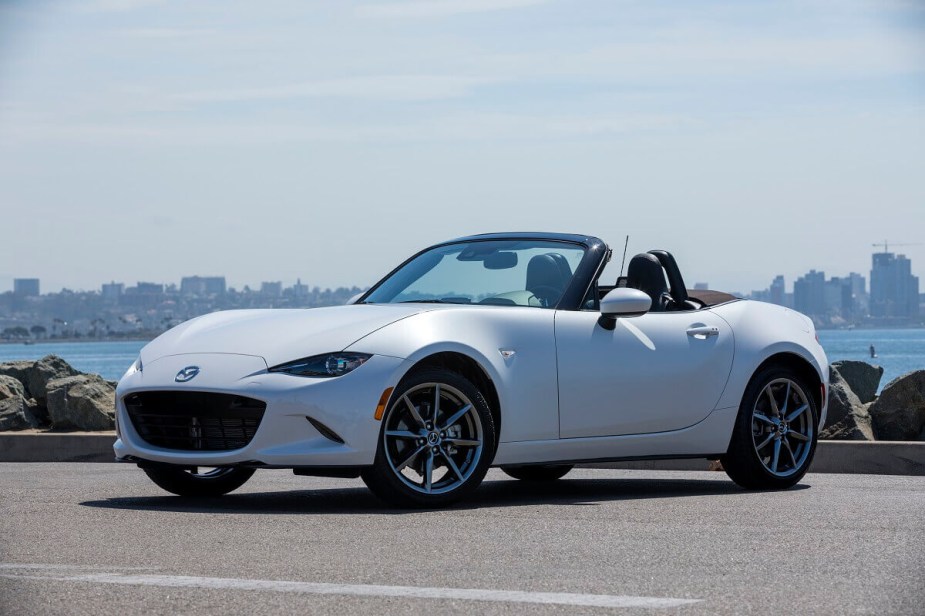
[624, 254]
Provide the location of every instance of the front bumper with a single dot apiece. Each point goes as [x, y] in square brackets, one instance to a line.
[285, 437]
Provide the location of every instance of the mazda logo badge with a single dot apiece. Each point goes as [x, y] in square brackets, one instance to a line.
[187, 374]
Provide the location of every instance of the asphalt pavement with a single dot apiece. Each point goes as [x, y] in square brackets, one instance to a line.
[100, 538]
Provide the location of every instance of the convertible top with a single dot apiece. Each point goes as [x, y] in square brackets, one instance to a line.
[710, 298]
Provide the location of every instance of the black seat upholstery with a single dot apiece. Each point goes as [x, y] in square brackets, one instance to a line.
[646, 274]
[547, 277]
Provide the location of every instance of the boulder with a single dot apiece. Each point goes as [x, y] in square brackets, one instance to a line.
[842, 400]
[899, 413]
[862, 378]
[10, 388]
[18, 370]
[16, 414]
[47, 369]
[855, 426]
[82, 402]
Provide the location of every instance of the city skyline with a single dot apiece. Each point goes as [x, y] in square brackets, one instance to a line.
[790, 281]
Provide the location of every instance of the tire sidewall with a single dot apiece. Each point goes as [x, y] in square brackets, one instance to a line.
[742, 461]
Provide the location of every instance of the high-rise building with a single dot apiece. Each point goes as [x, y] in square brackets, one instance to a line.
[777, 292]
[809, 293]
[894, 291]
[26, 287]
[271, 289]
[202, 286]
[113, 291]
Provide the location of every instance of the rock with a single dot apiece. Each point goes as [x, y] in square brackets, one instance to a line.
[842, 400]
[83, 402]
[44, 370]
[10, 388]
[899, 412]
[18, 370]
[16, 413]
[855, 426]
[862, 378]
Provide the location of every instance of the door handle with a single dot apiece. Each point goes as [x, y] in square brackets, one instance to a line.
[702, 333]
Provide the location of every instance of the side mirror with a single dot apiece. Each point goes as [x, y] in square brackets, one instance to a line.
[625, 302]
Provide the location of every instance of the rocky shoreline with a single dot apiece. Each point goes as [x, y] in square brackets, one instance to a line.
[50, 394]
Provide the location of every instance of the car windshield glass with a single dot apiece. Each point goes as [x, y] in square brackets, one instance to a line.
[499, 272]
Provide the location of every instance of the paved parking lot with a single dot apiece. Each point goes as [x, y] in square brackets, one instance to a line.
[99, 538]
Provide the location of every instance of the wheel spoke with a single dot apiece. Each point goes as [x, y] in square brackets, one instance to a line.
[452, 464]
[797, 412]
[409, 459]
[429, 471]
[414, 412]
[456, 416]
[402, 434]
[776, 457]
[786, 400]
[436, 402]
[764, 418]
[793, 459]
[774, 409]
[462, 442]
[765, 442]
[799, 436]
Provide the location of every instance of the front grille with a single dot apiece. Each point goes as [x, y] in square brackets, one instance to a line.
[194, 420]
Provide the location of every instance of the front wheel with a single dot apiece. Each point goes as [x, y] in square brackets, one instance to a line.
[199, 482]
[538, 472]
[775, 435]
[436, 443]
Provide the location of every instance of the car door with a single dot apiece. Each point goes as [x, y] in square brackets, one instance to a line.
[653, 373]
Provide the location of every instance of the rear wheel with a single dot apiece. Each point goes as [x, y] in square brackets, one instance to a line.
[199, 481]
[437, 441]
[775, 435]
[539, 472]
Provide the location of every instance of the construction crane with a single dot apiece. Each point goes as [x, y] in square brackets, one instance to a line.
[886, 245]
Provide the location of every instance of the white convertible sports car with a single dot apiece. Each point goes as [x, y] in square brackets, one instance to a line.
[493, 350]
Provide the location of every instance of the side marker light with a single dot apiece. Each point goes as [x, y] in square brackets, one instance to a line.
[383, 401]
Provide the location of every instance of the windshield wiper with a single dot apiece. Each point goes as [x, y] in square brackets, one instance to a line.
[424, 301]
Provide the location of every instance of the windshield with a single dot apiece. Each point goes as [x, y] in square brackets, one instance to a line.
[499, 272]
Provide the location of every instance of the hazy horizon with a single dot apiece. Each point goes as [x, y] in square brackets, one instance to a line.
[142, 140]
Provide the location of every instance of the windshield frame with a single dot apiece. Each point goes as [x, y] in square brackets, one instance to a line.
[586, 273]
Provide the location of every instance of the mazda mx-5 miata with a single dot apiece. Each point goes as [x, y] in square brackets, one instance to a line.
[493, 350]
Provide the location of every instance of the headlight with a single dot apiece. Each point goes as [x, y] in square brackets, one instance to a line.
[135, 367]
[327, 365]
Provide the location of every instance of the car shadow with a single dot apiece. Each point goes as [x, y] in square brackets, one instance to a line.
[491, 494]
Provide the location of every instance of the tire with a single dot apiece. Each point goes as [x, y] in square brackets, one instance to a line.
[427, 456]
[189, 482]
[774, 438]
[538, 472]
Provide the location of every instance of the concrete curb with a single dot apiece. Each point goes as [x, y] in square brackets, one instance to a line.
[854, 457]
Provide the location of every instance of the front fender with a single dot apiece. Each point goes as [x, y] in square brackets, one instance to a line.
[526, 381]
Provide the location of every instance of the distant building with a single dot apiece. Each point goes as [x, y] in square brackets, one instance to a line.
[809, 293]
[149, 288]
[299, 290]
[113, 291]
[777, 293]
[701, 286]
[271, 289]
[894, 291]
[202, 286]
[26, 287]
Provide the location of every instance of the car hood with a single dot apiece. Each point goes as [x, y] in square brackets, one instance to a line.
[277, 336]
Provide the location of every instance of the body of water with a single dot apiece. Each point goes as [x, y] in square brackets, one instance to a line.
[898, 350]
[108, 359]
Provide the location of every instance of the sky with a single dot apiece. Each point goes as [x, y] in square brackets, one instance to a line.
[143, 140]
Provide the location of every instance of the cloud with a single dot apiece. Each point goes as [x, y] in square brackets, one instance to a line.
[441, 8]
[376, 87]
